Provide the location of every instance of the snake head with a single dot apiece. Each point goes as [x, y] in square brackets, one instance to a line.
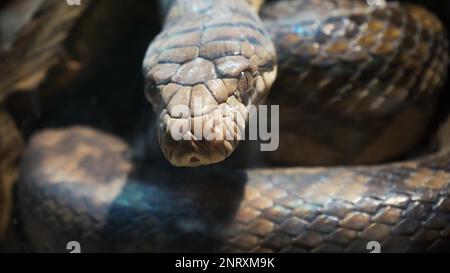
[202, 72]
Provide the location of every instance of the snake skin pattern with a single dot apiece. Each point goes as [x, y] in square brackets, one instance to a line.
[82, 184]
[349, 73]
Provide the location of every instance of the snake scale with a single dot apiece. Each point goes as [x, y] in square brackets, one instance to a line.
[367, 68]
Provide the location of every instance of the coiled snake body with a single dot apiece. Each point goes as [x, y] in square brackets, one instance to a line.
[368, 74]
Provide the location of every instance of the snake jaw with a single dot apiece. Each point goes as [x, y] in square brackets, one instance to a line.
[198, 153]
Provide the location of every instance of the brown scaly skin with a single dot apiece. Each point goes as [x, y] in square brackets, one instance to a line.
[79, 184]
[356, 84]
[359, 84]
[23, 66]
[47, 48]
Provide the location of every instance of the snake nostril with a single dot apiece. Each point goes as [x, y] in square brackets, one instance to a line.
[194, 159]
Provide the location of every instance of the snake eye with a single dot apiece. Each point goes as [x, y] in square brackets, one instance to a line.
[245, 81]
[152, 93]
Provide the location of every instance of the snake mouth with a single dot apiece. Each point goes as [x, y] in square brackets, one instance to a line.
[198, 153]
[209, 138]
